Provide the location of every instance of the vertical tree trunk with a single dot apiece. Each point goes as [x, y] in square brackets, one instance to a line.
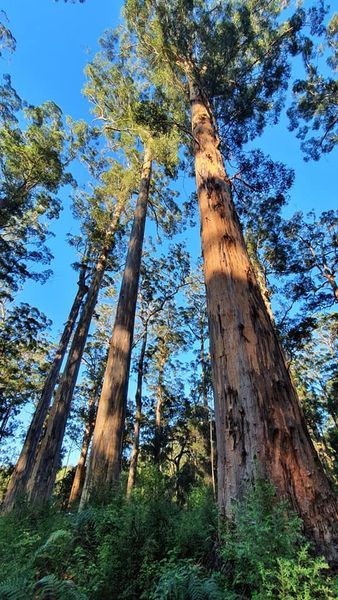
[260, 427]
[79, 478]
[158, 413]
[208, 413]
[138, 417]
[41, 481]
[23, 468]
[105, 458]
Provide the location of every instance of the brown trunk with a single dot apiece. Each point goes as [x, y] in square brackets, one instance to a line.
[138, 417]
[23, 468]
[208, 413]
[79, 478]
[5, 420]
[41, 481]
[105, 458]
[158, 414]
[260, 428]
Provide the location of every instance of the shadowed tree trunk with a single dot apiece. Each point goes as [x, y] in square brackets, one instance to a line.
[158, 413]
[261, 431]
[23, 468]
[138, 417]
[208, 414]
[80, 473]
[105, 458]
[40, 484]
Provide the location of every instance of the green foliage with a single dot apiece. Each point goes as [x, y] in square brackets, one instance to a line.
[263, 530]
[23, 349]
[183, 580]
[149, 547]
[302, 578]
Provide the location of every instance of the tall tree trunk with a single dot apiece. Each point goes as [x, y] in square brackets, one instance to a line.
[138, 417]
[260, 427]
[23, 468]
[80, 473]
[208, 413]
[158, 413]
[105, 458]
[41, 481]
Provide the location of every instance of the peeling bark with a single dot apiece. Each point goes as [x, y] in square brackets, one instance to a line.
[105, 459]
[261, 431]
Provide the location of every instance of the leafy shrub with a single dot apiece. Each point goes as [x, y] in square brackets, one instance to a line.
[264, 529]
[302, 578]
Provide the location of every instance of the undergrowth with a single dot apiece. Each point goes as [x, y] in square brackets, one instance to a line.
[152, 548]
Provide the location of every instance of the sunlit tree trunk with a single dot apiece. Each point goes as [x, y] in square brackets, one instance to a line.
[41, 482]
[23, 468]
[105, 458]
[80, 473]
[261, 431]
[138, 417]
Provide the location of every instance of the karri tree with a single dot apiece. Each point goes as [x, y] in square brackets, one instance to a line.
[231, 61]
[132, 114]
[104, 223]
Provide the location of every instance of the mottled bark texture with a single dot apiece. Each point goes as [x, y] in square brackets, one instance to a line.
[41, 482]
[80, 473]
[138, 418]
[260, 427]
[105, 458]
[17, 486]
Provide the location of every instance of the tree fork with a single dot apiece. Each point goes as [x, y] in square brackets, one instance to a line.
[105, 459]
[261, 431]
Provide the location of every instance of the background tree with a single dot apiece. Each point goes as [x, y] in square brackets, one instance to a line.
[125, 103]
[24, 348]
[314, 108]
[161, 279]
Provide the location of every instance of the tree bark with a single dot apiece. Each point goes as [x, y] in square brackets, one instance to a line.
[158, 413]
[80, 473]
[261, 431]
[41, 482]
[24, 465]
[105, 459]
[138, 417]
[208, 413]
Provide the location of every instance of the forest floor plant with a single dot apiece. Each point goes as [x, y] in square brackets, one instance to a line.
[150, 547]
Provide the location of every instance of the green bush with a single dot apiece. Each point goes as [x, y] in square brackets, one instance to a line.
[265, 553]
[150, 547]
[302, 578]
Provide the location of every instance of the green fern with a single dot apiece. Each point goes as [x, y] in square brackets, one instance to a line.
[186, 581]
[60, 589]
[57, 539]
[15, 588]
